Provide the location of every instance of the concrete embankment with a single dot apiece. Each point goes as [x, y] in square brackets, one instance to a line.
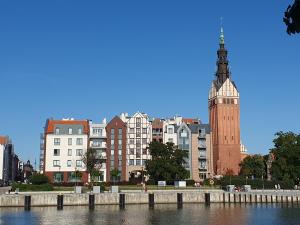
[151, 198]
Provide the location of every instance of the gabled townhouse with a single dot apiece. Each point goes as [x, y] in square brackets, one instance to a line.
[139, 136]
[66, 141]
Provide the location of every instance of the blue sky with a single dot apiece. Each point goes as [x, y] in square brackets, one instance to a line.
[95, 59]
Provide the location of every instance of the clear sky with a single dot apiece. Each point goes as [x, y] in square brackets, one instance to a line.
[95, 59]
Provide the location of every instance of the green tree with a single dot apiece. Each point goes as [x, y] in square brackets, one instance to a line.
[93, 163]
[115, 173]
[253, 165]
[38, 179]
[166, 163]
[286, 164]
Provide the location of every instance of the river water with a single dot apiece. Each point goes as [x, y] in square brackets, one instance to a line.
[190, 214]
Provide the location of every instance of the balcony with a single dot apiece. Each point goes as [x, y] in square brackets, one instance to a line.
[202, 136]
[202, 156]
[184, 147]
[98, 145]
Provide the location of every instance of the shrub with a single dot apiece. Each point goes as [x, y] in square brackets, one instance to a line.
[32, 187]
[38, 179]
[190, 182]
[256, 183]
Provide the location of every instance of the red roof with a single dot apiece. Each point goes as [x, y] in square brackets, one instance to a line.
[190, 121]
[3, 140]
[51, 124]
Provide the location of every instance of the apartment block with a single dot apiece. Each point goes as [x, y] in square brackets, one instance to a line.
[8, 162]
[201, 152]
[97, 141]
[66, 141]
[170, 127]
[139, 136]
[157, 130]
[116, 153]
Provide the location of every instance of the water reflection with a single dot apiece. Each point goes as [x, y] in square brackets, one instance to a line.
[190, 214]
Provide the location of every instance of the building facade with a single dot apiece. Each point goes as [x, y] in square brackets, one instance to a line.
[170, 129]
[157, 130]
[66, 142]
[224, 117]
[201, 153]
[9, 169]
[184, 140]
[139, 136]
[116, 131]
[97, 141]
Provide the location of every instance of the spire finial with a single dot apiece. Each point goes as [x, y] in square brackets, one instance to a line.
[222, 39]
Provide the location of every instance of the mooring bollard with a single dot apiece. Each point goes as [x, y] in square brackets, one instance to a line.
[91, 201]
[179, 200]
[27, 202]
[207, 198]
[60, 202]
[151, 200]
[122, 201]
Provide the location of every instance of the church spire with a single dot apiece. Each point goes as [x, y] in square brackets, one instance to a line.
[222, 62]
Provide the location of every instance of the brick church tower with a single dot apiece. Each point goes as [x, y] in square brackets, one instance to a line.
[224, 117]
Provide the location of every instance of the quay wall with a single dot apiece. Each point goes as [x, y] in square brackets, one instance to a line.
[160, 197]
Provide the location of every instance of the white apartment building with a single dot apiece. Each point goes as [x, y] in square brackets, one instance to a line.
[139, 136]
[66, 141]
[2, 147]
[97, 141]
[170, 129]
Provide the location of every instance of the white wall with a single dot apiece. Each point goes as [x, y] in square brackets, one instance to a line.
[1, 161]
[63, 157]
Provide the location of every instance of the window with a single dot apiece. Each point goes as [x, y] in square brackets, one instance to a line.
[70, 131]
[143, 162]
[131, 141]
[56, 152]
[120, 131]
[112, 163]
[79, 131]
[69, 141]
[120, 152]
[138, 154]
[170, 130]
[78, 163]
[120, 162]
[144, 141]
[69, 152]
[144, 130]
[56, 141]
[56, 130]
[112, 142]
[112, 152]
[131, 130]
[78, 152]
[69, 163]
[120, 142]
[138, 162]
[131, 162]
[56, 163]
[79, 141]
[138, 120]
[112, 131]
[144, 151]
[131, 151]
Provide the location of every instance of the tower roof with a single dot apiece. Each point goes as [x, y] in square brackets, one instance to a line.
[223, 72]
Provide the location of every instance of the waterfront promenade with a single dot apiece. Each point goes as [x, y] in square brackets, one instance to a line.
[123, 198]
